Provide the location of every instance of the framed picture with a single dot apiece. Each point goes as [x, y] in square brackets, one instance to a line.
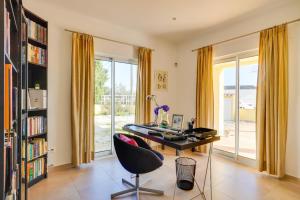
[161, 80]
[177, 121]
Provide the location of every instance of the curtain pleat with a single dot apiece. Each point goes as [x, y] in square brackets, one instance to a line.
[82, 99]
[204, 90]
[143, 107]
[272, 100]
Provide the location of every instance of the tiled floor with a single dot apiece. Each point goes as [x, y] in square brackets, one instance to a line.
[97, 181]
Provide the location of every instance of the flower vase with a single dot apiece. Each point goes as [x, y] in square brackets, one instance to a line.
[164, 119]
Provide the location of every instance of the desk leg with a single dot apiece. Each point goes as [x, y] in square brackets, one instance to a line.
[208, 165]
[177, 152]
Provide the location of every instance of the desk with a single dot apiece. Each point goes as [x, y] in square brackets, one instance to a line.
[142, 131]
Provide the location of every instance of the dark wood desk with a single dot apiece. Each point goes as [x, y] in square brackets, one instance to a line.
[142, 131]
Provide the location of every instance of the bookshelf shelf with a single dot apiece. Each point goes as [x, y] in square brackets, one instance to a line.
[31, 64]
[37, 179]
[37, 109]
[37, 43]
[37, 157]
[37, 136]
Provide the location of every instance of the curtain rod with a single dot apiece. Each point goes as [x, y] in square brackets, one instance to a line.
[241, 36]
[107, 39]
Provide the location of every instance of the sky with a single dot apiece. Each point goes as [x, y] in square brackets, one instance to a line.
[122, 74]
[248, 75]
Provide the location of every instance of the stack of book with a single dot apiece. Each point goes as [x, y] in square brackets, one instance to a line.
[7, 31]
[36, 125]
[36, 148]
[37, 32]
[35, 169]
[36, 55]
[37, 99]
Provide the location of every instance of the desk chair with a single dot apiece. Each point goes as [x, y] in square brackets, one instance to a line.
[137, 160]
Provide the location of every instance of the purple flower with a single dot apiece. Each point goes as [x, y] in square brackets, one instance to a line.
[156, 110]
[165, 108]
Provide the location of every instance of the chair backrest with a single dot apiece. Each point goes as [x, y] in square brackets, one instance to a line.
[136, 160]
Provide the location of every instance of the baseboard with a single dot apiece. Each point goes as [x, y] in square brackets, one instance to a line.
[292, 178]
[60, 167]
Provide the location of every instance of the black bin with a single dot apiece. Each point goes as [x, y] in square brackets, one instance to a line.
[185, 172]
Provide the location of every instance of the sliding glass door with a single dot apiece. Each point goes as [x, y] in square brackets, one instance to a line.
[235, 83]
[115, 90]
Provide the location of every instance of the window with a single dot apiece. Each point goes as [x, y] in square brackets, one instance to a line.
[115, 92]
[235, 83]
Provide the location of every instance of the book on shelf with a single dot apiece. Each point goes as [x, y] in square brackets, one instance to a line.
[23, 99]
[35, 169]
[36, 125]
[37, 32]
[36, 55]
[14, 103]
[36, 148]
[8, 98]
[37, 99]
[23, 32]
[7, 31]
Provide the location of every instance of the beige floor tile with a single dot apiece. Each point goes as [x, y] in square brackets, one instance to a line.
[97, 181]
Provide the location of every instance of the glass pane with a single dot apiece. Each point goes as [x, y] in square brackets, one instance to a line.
[224, 98]
[103, 106]
[125, 91]
[247, 107]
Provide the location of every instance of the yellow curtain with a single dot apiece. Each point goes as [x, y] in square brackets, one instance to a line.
[204, 90]
[272, 100]
[143, 107]
[82, 99]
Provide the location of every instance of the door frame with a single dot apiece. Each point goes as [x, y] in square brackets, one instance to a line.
[229, 58]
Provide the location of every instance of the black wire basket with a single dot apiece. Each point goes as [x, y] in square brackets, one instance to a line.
[185, 172]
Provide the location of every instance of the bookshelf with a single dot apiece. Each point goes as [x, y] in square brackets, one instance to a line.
[34, 110]
[23, 118]
[10, 89]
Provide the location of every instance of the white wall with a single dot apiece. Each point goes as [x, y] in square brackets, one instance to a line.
[60, 65]
[293, 140]
[187, 66]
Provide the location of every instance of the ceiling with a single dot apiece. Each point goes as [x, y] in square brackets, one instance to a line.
[155, 16]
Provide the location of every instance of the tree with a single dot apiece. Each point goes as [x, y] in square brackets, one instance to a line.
[101, 76]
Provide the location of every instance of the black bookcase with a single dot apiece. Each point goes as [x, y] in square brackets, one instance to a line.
[10, 90]
[34, 78]
[18, 76]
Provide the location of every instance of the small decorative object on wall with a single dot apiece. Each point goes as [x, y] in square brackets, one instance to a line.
[177, 121]
[161, 80]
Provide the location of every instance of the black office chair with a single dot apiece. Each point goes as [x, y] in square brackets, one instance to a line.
[137, 160]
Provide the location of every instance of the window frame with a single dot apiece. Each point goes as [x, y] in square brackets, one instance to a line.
[229, 58]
